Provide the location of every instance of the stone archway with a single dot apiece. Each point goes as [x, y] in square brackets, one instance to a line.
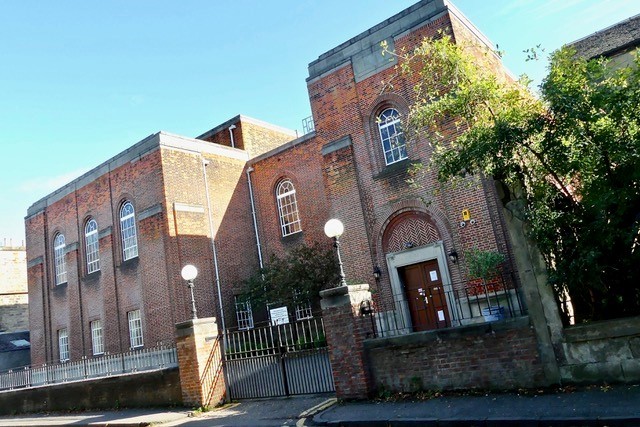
[411, 242]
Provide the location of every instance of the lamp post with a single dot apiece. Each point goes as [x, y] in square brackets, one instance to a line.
[190, 272]
[334, 229]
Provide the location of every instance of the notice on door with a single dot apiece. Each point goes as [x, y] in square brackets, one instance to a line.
[441, 315]
[434, 275]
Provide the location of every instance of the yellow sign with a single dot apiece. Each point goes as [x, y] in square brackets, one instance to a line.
[466, 215]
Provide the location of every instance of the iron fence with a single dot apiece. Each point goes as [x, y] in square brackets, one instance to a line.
[148, 359]
[448, 306]
[264, 340]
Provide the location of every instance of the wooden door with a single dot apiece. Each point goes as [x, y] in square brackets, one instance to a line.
[425, 295]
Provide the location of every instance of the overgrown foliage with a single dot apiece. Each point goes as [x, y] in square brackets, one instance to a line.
[295, 278]
[570, 158]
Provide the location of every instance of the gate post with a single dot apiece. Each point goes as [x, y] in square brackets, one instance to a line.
[200, 362]
[345, 330]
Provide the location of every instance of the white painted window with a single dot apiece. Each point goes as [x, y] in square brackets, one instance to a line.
[92, 246]
[59, 262]
[288, 208]
[135, 329]
[97, 337]
[63, 344]
[391, 136]
[128, 231]
[244, 315]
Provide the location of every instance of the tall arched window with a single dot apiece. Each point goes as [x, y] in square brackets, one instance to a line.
[391, 136]
[59, 263]
[92, 246]
[288, 208]
[128, 231]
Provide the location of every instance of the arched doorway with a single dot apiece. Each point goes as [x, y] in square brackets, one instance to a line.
[418, 272]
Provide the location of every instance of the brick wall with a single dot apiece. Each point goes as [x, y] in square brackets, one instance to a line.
[497, 356]
[147, 389]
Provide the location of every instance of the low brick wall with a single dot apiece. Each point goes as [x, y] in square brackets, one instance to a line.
[499, 355]
[607, 351]
[157, 388]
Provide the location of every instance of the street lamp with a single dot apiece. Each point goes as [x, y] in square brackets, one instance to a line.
[190, 272]
[334, 229]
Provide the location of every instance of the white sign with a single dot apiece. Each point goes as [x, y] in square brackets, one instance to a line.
[279, 316]
[441, 315]
[434, 275]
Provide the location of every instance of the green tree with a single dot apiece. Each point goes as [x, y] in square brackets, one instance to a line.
[297, 277]
[571, 159]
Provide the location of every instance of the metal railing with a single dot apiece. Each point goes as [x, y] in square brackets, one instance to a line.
[148, 359]
[308, 125]
[267, 340]
[448, 307]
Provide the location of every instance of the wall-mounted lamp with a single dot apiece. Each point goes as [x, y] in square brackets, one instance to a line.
[453, 256]
[377, 273]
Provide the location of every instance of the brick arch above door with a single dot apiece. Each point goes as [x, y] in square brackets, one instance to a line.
[407, 230]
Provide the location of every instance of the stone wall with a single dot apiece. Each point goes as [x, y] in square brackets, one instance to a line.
[14, 314]
[501, 355]
[158, 388]
[606, 351]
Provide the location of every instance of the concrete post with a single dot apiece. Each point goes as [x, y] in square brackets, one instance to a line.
[200, 362]
[346, 329]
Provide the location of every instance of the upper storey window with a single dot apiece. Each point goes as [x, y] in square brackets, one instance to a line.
[391, 136]
[128, 231]
[59, 262]
[92, 246]
[288, 208]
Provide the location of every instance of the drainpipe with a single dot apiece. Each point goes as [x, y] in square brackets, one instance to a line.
[213, 242]
[231, 128]
[253, 214]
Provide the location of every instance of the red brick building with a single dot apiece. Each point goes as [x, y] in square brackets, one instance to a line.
[105, 251]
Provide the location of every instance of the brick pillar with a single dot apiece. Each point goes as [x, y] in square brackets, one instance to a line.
[346, 329]
[200, 362]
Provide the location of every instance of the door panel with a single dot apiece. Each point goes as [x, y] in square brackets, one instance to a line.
[425, 295]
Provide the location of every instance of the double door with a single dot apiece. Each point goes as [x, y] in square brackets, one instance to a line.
[426, 296]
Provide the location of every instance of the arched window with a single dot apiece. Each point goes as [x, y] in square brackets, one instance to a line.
[391, 136]
[128, 231]
[92, 246]
[288, 208]
[59, 263]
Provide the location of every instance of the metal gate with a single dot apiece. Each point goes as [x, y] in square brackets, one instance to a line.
[279, 360]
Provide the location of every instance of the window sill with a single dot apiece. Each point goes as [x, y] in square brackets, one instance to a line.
[396, 169]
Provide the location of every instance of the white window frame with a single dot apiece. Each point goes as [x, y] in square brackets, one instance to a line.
[92, 246]
[244, 314]
[60, 264]
[135, 329]
[128, 232]
[394, 146]
[97, 337]
[63, 344]
[303, 306]
[288, 208]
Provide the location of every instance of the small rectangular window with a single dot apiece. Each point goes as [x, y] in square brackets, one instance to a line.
[135, 329]
[97, 339]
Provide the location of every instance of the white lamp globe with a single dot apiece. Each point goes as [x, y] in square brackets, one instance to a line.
[189, 272]
[333, 228]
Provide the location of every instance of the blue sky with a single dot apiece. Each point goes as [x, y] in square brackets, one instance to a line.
[81, 81]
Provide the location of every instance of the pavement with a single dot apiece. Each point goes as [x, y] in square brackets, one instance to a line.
[591, 406]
